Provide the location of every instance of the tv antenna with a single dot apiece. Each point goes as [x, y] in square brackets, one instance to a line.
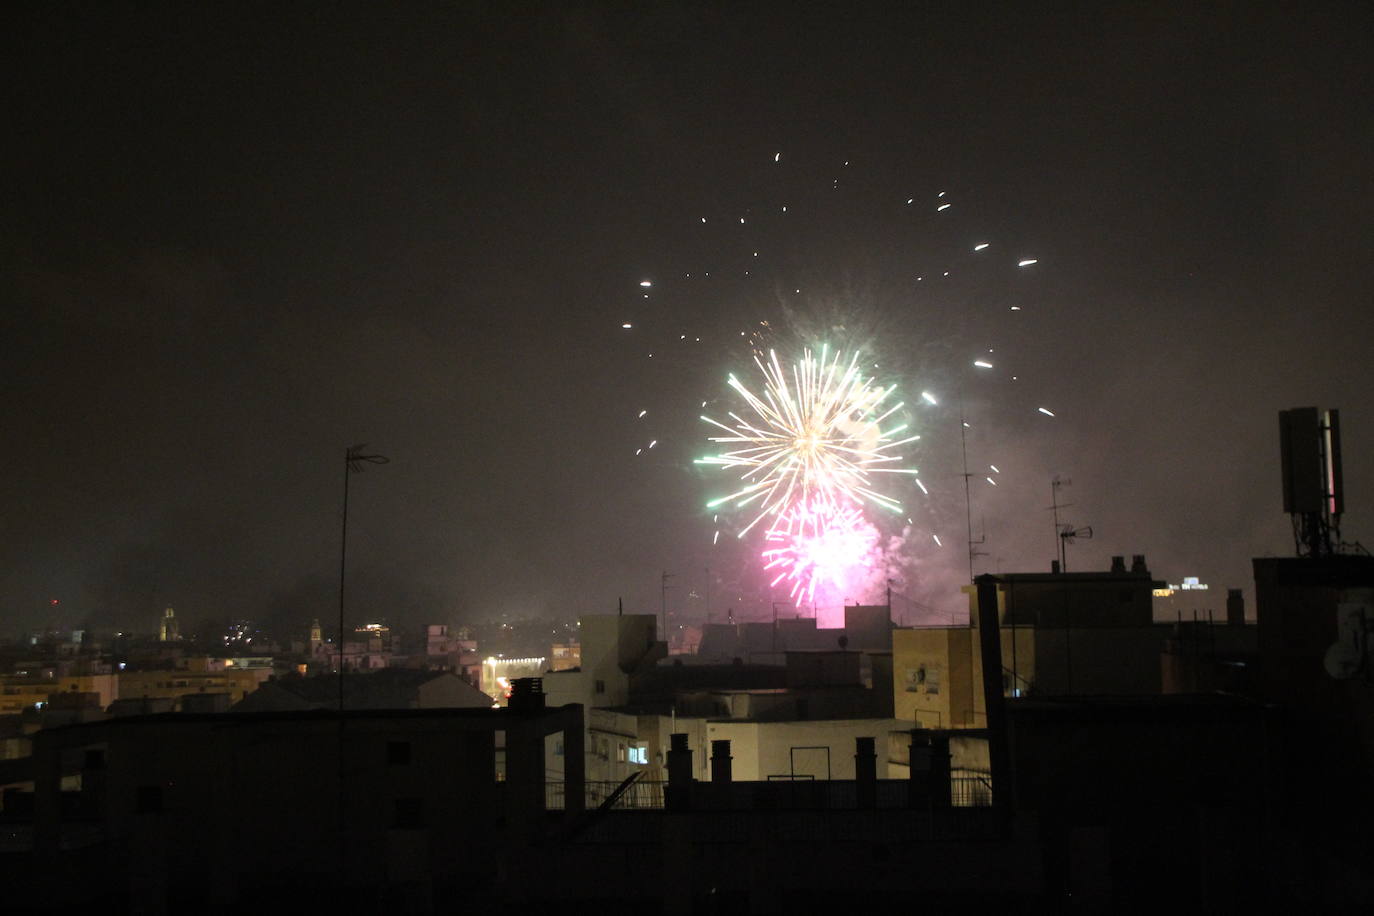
[1055, 505]
[968, 496]
[663, 600]
[1070, 533]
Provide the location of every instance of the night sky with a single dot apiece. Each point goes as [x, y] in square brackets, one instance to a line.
[238, 238]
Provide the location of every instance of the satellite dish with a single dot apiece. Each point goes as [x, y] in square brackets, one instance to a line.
[1342, 661]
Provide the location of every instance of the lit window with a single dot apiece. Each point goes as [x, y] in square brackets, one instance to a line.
[639, 755]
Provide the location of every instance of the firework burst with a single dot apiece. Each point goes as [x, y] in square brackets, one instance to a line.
[814, 441]
[811, 551]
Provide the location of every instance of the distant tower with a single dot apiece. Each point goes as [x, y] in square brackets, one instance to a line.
[167, 631]
[1313, 491]
[316, 637]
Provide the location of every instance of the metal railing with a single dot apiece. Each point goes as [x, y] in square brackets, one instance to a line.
[970, 791]
[966, 791]
[641, 794]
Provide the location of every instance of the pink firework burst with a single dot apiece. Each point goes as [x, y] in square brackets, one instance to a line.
[815, 550]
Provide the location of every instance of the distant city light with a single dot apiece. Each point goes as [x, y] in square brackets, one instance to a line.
[928, 397]
[1046, 412]
[982, 364]
[1027, 262]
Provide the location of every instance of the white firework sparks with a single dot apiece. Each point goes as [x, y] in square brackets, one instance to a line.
[815, 439]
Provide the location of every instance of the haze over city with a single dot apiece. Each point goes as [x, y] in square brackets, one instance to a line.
[240, 238]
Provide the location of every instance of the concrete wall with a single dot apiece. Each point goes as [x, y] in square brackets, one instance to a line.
[18, 693]
[933, 678]
[614, 646]
[763, 749]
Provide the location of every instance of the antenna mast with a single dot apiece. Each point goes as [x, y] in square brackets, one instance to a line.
[1313, 486]
[968, 496]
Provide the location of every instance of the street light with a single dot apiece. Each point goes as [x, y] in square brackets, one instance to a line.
[354, 460]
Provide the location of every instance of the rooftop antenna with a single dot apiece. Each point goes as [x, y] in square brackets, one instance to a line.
[968, 497]
[1313, 484]
[663, 601]
[1070, 533]
[708, 594]
[982, 538]
[1055, 505]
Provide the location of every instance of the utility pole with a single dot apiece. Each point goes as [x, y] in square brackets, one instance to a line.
[663, 602]
[708, 594]
[354, 459]
[775, 626]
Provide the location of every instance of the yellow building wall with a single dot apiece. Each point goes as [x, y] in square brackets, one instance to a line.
[176, 684]
[934, 678]
[937, 674]
[17, 693]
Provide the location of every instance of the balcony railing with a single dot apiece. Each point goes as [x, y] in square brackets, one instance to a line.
[966, 791]
[641, 794]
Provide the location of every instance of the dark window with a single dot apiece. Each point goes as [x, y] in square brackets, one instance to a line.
[148, 800]
[94, 759]
[398, 753]
[600, 686]
[410, 814]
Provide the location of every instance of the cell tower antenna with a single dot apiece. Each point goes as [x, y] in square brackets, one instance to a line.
[1313, 483]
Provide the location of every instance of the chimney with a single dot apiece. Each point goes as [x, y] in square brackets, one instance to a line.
[865, 773]
[1054, 567]
[720, 761]
[527, 694]
[1235, 607]
[678, 795]
[1119, 565]
[1138, 564]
